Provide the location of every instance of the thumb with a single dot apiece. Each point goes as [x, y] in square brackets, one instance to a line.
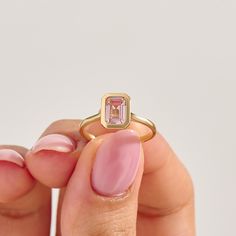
[102, 194]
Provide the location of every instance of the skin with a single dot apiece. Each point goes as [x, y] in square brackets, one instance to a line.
[159, 202]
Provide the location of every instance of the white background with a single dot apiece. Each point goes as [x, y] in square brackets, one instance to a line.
[176, 59]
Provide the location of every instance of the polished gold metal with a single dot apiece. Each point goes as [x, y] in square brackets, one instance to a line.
[100, 116]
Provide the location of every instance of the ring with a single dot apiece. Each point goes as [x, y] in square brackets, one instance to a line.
[115, 114]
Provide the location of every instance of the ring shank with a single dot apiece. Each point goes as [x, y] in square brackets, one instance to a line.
[97, 117]
[148, 123]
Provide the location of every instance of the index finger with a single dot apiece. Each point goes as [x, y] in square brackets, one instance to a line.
[166, 194]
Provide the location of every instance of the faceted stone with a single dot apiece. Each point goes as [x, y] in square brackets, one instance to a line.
[115, 110]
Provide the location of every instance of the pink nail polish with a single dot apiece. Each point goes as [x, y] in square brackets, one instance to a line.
[54, 142]
[116, 163]
[11, 156]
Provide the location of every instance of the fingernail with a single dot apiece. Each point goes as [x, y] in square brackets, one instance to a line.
[116, 163]
[54, 142]
[11, 156]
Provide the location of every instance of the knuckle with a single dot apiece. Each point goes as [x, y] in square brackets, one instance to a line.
[55, 126]
[58, 123]
[67, 124]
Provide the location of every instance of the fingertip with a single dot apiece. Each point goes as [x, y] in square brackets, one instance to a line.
[117, 162]
[51, 168]
[54, 142]
[15, 179]
[52, 159]
[11, 156]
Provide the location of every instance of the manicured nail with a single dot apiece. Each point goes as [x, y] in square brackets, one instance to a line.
[54, 142]
[11, 156]
[116, 163]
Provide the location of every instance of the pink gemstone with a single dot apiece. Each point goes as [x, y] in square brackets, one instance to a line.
[115, 110]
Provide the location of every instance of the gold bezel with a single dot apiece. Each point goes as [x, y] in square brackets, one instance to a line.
[103, 108]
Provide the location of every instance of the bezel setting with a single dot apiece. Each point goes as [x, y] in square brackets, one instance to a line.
[115, 111]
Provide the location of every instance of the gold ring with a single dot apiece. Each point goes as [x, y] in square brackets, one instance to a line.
[115, 114]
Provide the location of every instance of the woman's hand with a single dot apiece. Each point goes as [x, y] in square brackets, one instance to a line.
[113, 185]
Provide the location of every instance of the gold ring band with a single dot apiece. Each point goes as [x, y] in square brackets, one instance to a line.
[115, 114]
[97, 117]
